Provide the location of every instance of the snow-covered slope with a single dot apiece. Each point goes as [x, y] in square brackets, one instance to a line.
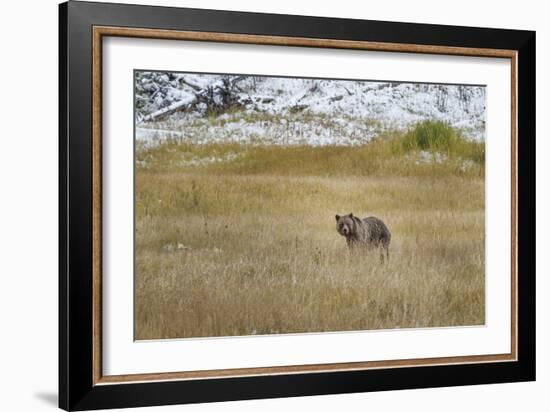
[299, 111]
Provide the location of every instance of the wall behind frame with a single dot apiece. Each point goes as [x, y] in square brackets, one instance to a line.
[28, 211]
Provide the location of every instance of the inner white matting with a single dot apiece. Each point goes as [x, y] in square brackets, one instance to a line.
[122, 355]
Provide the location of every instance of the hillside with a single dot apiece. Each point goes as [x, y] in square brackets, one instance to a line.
[287, 111]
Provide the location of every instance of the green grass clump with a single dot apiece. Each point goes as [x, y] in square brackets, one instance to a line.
[440, 137]
[432, 135]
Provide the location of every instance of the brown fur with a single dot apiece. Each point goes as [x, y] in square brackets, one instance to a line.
[370, 233]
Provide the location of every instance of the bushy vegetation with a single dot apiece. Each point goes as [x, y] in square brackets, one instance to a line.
[440, 137]
[432, 135]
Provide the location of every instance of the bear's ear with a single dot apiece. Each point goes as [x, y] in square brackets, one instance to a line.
[337, 218]
[351, 215]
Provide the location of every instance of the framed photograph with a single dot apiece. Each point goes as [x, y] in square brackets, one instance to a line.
[256, 205]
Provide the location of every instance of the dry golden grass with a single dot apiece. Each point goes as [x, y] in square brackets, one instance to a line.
[241, 246]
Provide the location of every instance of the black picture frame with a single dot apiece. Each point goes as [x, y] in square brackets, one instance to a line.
[77, 390]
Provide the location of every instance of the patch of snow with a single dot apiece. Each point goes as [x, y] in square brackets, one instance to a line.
[425, 156]
[203, 161]
[172, 247]
[466, 165]
[313, 111]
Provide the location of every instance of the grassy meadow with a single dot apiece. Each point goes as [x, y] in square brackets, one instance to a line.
[240, 239]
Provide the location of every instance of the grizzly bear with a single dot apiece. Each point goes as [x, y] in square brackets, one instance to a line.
[369, 233]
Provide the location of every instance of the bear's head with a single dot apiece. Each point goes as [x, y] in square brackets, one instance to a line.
[345, 225]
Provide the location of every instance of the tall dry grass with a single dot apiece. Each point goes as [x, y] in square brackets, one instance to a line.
[241, 240]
